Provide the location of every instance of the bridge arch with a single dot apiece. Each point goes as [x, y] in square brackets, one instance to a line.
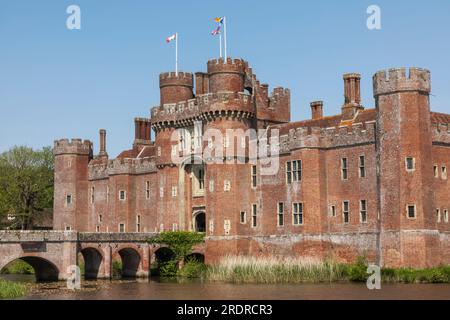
[93, 259]
[131, 262]
[44, 269]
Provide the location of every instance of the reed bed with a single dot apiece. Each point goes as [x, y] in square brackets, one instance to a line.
[11, 290]
[243, 269]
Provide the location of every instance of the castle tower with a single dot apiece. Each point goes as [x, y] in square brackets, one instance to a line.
[175, 88]
[226, 75]
[70, 208]
[407, 222]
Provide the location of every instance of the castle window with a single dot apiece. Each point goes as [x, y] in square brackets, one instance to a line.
[97, 229]
[362, 166]
[254, 215]
[344, 169]
[121, 227]
[333, 211]
[107, 194]
[436, 171]
[138, 223]
[69, 163]
[293, 171]
[198, 180]
[280, 214]
[297, 214]
[254, 177]
[174, 191]
[444, 172]
[174, 227]
[69, 199]
[147, 190]
[438, 215]
[446, 216]
[122, 195]
[226, 185]
[410, 163]
[68, 228]
[363, 211]
[346, 211]
[100, 218]
[411, 211]
[92, 194]
[243, 217]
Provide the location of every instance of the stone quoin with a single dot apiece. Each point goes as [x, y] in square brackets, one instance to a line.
[364, 182]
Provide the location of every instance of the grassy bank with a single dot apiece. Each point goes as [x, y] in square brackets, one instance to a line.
[11, 290]
[298, 270]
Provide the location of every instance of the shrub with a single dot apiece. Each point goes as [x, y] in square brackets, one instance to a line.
[192, 269]
[358, 271]
[168, 269]
[18, 267]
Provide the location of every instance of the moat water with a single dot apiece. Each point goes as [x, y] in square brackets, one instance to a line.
[158, 289]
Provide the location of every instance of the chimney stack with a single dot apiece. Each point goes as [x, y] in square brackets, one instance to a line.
[316, 109]
[103, 143]
[352, 94]
[142, 130]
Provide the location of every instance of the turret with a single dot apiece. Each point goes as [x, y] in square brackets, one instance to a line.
[404, 148]
[226, 75]
[175, 88]
[70, 207]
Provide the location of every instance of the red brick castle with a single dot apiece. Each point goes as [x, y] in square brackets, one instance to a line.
[367, 182]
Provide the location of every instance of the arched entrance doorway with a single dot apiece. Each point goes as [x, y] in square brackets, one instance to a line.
[200, 222]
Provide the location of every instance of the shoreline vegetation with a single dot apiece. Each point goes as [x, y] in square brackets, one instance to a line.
[258, 270]
[11, 290]
[240, 269]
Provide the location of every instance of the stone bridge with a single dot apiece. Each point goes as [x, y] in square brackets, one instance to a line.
[51, 253]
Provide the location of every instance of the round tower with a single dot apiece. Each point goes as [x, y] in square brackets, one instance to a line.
[176, 87]
[226, 75]
[70, 207]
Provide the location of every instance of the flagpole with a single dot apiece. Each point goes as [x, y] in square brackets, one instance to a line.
[225, 36]
[176, 54]
[220, 44]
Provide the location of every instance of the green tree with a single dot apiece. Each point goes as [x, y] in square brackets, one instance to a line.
[180, 242]
[26, 185]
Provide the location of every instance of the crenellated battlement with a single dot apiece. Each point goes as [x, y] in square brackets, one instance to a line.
[206, 103]
[228, 66]
[126, 166]
[396, 80]
[440, 133]
[74, 146]
[327, 138]
[172, 79]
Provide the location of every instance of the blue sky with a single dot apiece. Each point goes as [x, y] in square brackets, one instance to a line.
[57, 83]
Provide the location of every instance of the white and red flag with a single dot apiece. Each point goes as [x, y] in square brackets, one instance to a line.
[171, 38]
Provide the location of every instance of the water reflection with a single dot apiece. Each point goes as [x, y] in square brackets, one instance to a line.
[200, 290]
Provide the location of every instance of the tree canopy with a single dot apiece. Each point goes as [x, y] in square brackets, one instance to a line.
[181, 242]
[26, 185]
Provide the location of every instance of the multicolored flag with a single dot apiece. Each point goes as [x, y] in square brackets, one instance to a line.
[216, 31]
[172, 37]
[219, 19]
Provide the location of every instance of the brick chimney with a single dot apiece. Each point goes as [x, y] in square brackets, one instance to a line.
[352, 94]
[142, 130]
[103, 152]
[316, 110]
